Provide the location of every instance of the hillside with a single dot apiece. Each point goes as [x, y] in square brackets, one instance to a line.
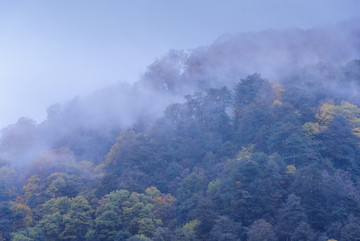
[256, 137]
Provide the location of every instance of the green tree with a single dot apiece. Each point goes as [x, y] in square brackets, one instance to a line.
[182, 234]
[261, 230]
[163, 234]
[164, 204]
[66, 219]
[138, 215]
[29, 234]
[109, 215]
[290, 215]
[22, 216]
[191, 184]
[341, 145]
[309, 186]
[6, 220]
[226, 229]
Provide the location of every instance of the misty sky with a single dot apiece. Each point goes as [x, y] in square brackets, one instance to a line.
[51, 51]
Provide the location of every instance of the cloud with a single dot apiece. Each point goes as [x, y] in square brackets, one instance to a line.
[90, 124]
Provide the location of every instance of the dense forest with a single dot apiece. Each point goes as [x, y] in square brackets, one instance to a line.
[252, 159]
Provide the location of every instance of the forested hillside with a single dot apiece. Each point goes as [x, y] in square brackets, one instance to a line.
[256, 158]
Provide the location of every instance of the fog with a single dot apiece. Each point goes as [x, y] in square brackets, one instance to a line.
[52, 52]
[75, 75]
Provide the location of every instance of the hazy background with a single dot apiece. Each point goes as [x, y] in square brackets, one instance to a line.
[52, 51]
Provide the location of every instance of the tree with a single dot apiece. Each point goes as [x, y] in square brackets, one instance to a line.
[33, 191]
[253, 97]
[182, 234]
[309, 186]
[138, 237]
[210, 111]
[22, 216]
[192, 184]
[261, 230]
[138, 215]
[290, 215]
[248, 89]
[108, 223]
[29, 234]
[342, 193]
[20, 141]
[163, 234]
[303, 232]
[8, 183]
[109, 215]
[122, 235]
[164, 204]
[78, 220]
[66, 219]
[341, 145]
[205, 212]
[225, 229]
[6, 220]
[351, 230]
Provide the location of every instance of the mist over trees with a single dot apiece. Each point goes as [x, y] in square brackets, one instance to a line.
[255, 137]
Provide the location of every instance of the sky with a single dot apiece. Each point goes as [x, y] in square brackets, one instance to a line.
[52, 51]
